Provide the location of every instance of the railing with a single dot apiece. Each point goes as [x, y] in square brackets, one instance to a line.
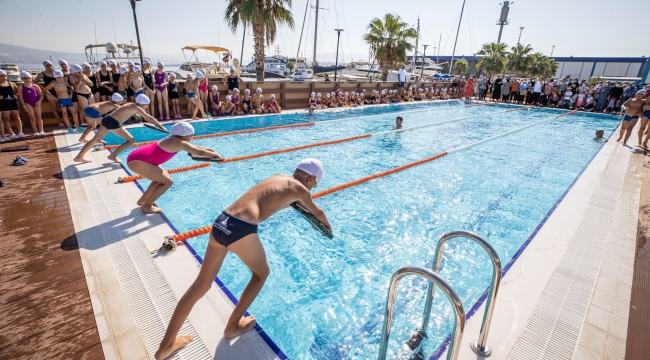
[459, 326]
[480, 347]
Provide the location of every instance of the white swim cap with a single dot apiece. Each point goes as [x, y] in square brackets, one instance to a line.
[102, 63]
[327, 95]
[363, 90]
[76, 68]
[642, 91]
[215, 88]
[333, 93]
[235, 90]
[172, 75]
[160, 63]
[130, 63]
[112, 62]
[47, 62]
[182, 129]
[146, 61]
[312, 167]
[247, 91]
[25, 74]
[63, 62]
[86, 65]
[203, 71]
[136, 68]
[189, 76]
[123, 70]
[232, 68]
[258, 90]
[199, 75]
[228, 97]
[318, 95]
[117, 97]
[57, 73]
[142, 99]
[272, 96]
[347, 93]
[313, 94]
[4, 73]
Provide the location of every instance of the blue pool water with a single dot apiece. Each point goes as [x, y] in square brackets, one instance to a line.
[325, 298]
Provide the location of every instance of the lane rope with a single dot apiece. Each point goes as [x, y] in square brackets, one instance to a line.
[170, 171]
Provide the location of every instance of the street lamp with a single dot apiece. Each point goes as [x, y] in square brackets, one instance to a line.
[337, 52]
[521, 29]
[553, 49]
[424, 56]
[137, 32]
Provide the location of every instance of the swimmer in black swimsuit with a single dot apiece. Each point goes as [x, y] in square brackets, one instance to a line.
[232, 80]
[235, 230]
[50, 95]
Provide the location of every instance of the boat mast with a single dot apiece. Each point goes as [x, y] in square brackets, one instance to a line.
[302, 30]
[415, 54]
[315, 33]
[451, 66]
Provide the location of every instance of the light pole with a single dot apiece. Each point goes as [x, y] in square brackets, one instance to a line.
[137, 31]
[503, 19]
[337, 52]
[424, 56]
[521, 29]
[553, 49]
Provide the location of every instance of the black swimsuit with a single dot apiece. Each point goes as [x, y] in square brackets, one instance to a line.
[148, 80]
[103, 90]
[110, 123]
[233, 83]
[228, 229]
[8, 102]
[46, 81]
[93, 89]
[173, 91]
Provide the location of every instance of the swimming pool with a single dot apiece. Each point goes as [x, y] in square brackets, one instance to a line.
[324, 298]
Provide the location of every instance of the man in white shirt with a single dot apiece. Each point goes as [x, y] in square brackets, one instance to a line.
[537, 90]
[401, 77]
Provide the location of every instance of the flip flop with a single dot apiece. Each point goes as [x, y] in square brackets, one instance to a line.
[2, 183]
[18, 162]
[16, 148]
[21, 159]
[58, 175]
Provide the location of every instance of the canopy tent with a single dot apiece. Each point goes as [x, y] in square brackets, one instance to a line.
[205, 47]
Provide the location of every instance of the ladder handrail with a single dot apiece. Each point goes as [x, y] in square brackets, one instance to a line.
[459, 326]
[480, 347]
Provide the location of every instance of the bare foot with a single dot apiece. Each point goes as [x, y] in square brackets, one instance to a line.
[150, 209]
[83, 140]
[245, 324]
[623, 144]
[81, 160]
[114, 158]
[140, 202]
[180, 342]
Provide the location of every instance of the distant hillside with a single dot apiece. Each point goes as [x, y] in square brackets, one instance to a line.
[23, 55]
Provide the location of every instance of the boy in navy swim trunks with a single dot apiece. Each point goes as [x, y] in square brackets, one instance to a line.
[235, 230]
[93, 113]
[633, 110]
[62, 90]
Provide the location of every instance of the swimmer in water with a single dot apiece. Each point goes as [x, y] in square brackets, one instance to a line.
[235, 230]
[146, 161]
[113, 123]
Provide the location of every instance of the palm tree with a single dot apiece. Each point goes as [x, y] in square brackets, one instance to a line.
[550, 67]
[537, 65]
[389, 40]
[494, 58]
[518, 58]
[264, 16]
[461, 67]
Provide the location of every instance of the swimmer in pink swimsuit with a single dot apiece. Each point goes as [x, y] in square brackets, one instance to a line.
[146, 161]
[203, 93]
[160, 82]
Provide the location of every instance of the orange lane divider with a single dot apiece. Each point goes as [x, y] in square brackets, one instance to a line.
[569, 113]
[171, 171]
[296, 148]
[377, 175]
[225, 133]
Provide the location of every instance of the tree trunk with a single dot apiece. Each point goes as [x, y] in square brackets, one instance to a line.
[258, 38]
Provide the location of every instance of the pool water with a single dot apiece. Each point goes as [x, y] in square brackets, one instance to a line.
[325, 298]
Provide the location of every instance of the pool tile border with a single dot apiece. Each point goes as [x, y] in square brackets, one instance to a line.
[479, 302]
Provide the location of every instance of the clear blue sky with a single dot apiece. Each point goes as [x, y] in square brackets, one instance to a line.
[578, 28]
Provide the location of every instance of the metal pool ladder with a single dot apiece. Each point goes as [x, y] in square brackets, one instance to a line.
[459, 327]
[479, 347]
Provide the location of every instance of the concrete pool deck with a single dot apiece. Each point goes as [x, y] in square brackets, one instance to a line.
[133, 293]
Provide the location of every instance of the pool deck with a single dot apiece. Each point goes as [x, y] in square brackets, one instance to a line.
[575, 292]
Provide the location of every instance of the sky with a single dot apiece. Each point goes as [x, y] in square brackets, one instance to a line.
[577, 28]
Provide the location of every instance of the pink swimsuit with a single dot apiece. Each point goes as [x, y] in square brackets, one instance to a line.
[203, 85]
[152, 154]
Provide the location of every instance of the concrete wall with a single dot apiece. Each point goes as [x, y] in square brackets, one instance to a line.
[290, 95]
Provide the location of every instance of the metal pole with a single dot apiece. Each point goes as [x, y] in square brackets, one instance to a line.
[241, 58]
[337, 52]
[137, 32]
[316, 34]
[439, 41]
[448, 290]
[553, 49]
[424, 56]
[500, 31]
[521, 29]
[480, 347]
[451, 66]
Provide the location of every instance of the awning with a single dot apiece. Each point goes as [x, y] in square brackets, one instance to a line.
[205, 47]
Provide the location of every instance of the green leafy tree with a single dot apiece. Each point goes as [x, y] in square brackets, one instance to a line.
[518, 58]
[550, 67]
[291, 65]
[264, 16]
[389, 39]
[494, 58]
[461, 66]
[538, 65]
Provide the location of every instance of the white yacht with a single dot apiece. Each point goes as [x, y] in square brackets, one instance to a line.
[13, 72]
[215, 70]
[120, 53]
[272, 65]
[430, 67]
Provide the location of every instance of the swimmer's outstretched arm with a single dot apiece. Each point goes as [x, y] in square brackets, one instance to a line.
[199, 150]
[305, 199]
[146, 116]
